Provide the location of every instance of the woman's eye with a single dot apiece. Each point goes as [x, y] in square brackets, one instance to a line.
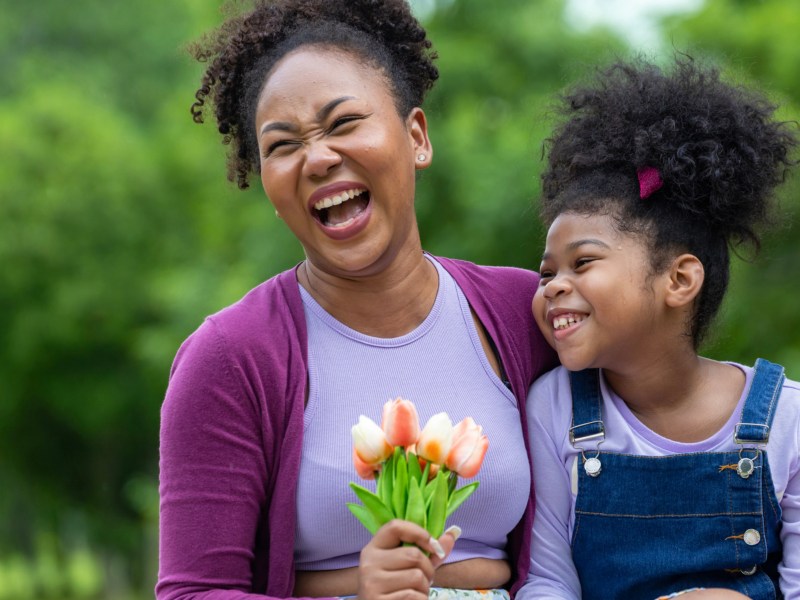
[280, 144]
[344, 120]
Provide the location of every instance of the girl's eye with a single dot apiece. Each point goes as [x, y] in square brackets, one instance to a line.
[582, 262]
[544, 276]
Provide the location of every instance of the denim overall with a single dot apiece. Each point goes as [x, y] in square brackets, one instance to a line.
[647, 526]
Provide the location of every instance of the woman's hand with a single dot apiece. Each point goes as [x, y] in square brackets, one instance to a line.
[389, 570]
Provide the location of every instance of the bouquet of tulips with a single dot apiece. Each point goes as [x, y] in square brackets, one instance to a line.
[416, 471]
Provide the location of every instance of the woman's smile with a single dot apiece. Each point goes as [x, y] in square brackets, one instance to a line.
[338, 160]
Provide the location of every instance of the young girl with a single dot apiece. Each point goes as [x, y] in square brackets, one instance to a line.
[657, 470]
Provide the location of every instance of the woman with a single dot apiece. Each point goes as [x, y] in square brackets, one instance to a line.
[321, 98]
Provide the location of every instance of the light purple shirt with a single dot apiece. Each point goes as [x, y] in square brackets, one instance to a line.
[232, 432]
[552, 573]
[440, 366]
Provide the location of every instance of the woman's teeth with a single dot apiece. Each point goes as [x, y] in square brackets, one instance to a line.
[338, 199]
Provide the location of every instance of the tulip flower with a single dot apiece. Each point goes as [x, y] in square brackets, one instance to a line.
[400, 422]
[416, 472]
[436, 438]
[369, 442]
[364, 470]
[468, 448]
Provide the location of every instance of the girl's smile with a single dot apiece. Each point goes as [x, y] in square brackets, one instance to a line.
[596, 299]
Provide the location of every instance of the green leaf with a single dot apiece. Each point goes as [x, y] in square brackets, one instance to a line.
[385, 481]
[437, 507]
[373, 504]
[452, 480]
[458, 497]
[364, 516]
[427, 491]
[415, 511]
[414, 472]
[400, 485]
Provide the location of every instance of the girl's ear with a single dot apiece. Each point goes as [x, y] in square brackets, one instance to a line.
[686, 276]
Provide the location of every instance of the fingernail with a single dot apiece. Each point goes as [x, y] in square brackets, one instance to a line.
[437, 547]
[454, 530]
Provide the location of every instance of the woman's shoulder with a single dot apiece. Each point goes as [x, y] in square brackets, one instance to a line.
[492, 275]
[506, 291]
[268, 319]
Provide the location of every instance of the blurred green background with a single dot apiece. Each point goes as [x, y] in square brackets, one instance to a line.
[119, 231]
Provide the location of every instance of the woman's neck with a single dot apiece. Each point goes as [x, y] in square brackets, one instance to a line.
[388, 304]
[685, 397]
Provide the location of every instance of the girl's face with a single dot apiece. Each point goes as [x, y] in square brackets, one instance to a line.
[597, 303]
[337, 160]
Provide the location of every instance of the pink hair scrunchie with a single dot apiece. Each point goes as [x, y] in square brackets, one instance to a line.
[649, 181]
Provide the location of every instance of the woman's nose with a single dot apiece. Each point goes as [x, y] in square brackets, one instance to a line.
[320, 159]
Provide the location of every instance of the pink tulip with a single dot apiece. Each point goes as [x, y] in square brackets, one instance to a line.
[364, 470]
[369, 442]
[436, 438]
[400, 422]
[468, 448]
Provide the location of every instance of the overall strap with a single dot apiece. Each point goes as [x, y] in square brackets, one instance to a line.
[760, 403]
[587, 419]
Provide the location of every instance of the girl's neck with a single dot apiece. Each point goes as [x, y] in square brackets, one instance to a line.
[685, 398]
[388, 304]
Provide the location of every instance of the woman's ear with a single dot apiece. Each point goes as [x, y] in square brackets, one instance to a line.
[686, 276]
[418, 128]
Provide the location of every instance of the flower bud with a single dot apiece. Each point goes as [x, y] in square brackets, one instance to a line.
[468, 448]
[436, 438]
[400, 422]
[369, 442]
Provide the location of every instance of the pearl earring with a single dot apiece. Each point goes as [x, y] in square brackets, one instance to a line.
[421, 157]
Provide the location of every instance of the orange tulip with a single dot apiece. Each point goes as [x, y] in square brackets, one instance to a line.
[436, 438]
[369, 442]
[468, 448]
[364, 470]
[400, 422]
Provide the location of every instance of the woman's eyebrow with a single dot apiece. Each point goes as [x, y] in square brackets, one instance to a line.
[321, 115]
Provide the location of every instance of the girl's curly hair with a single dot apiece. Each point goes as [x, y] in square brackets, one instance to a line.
[716, 146]
[243, 50]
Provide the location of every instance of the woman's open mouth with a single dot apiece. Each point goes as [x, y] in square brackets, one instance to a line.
[341, 209]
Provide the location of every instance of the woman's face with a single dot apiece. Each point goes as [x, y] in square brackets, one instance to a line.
[337, 160]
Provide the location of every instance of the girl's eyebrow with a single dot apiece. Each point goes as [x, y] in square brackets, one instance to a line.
[591, 241]
[321, 115]
[578, 243]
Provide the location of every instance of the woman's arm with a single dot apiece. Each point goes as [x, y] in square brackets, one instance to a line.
[213, 476]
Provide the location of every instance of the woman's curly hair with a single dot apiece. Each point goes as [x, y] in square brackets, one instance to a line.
[242, 52]
[716, 146]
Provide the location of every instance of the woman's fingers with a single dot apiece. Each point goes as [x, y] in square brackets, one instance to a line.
[393, 564]
[447, 541]
[397, 532]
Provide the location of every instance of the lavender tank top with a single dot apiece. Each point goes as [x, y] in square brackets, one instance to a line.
[440, 366]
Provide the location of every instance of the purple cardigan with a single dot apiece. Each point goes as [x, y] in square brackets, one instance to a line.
[232, 426]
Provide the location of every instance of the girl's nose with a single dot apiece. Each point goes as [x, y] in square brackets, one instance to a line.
[558, 285]
[320, 159]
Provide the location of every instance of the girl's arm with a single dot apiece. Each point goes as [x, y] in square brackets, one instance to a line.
[552, 573]
[789, 412]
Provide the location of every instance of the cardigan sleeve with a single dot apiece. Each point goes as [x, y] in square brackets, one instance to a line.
[214, 479]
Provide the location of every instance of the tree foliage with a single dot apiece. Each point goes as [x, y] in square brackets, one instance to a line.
[119, 233]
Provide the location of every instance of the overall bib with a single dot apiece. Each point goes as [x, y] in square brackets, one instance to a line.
[647, 526]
